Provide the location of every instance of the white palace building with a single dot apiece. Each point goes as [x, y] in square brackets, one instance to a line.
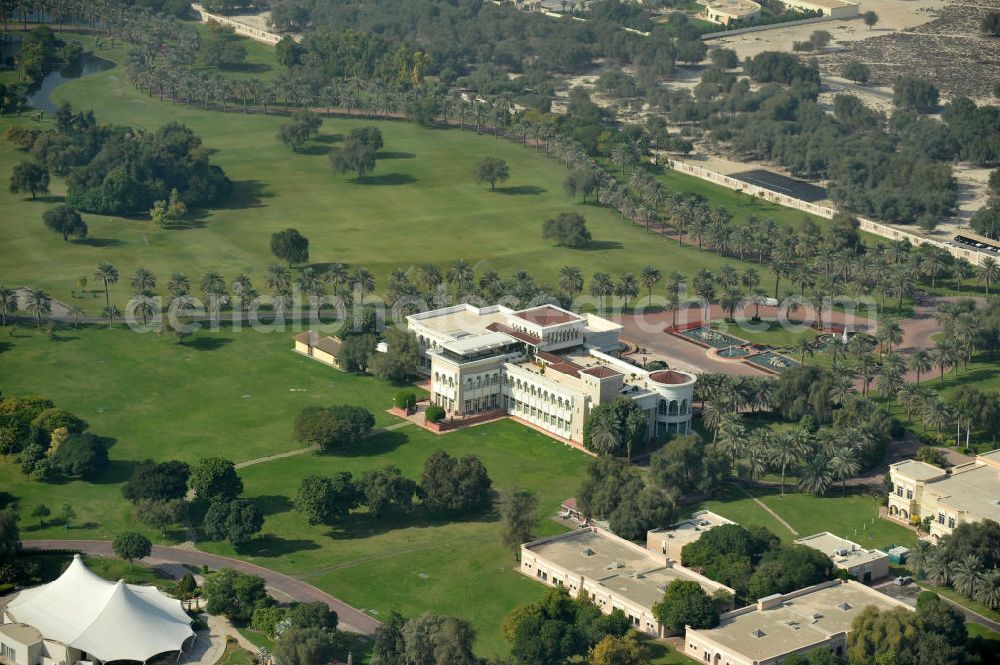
[545, 365]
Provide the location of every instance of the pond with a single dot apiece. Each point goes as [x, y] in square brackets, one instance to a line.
[39, 96]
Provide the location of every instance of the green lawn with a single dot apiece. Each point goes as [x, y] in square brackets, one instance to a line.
[415, 563]
[225, 393]
[772, 333]
[853, 516]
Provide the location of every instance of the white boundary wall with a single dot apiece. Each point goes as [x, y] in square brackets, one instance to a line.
[871, 226]
[239, 27]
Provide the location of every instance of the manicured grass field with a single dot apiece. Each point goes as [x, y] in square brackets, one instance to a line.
[415, 563]
[772, 333]
[849, 516]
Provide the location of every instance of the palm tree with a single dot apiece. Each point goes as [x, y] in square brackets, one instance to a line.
[429, 276]
[804, 347]
[937, 414]
[142, 280]
[920, 362]
[622, 155]
[601, 287]
[844, 464]
[988, 591]
[676, 288]
[650, 277]
[460, 276]
[605, 437]
[570, 280]
[37, 303]
[730, 301]
[961, 271]
[178, 285]
[108, 275]
[788, 449]
[989, 272]
[942, 355]
[78, 314]
[816, 475]
[917, 558]
[363, 283]
[938, 567]
[627, 287]
[966, 574]
[277, 278]
[336, 276]
[111, 313]
[491, 286]
[8, 303]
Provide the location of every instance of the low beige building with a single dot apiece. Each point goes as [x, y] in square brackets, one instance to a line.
[725, 12]
[322, 348]
[965, 493]
[766, 633]
[863, 564]
[831, 8]
[614, 572]
[670, 541]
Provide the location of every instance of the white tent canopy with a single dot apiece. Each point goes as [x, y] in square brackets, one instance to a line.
[110, 621]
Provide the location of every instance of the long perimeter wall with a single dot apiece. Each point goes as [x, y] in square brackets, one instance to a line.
[871, 226]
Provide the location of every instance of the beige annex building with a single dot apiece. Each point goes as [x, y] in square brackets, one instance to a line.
[671, 540]
[544, 365]
[817, 617]
[864, 565]
[82, 617]
[965, 493]
[614, 572]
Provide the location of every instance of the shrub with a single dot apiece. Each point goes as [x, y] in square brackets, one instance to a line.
[434, 414]
[405, 399]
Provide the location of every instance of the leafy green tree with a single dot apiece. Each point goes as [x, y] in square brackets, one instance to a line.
[315, 614]
[724, 58]
[236, 521]
[10, 536]
[336, 427]
[82, 455]
[517, 518]
[130, 546]
[161, 481]
[52, 419]
[870, 18]
[915, 94]
[159, 514]
[290, 246]
[305, 646]
[449, 484]
[325, 500]
[685, 603]
[386, 491]
[492, 170]
[235, 595]
[568, 229]
[31, 178]
[990, 25]
[40, 512]
[65, 221]
[67, 515]
[613, 650]
[214, 479]
[400, 361]
[615, 427]
[355, 156]
[427, 637]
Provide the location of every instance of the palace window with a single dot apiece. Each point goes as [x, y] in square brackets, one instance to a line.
[951, 522]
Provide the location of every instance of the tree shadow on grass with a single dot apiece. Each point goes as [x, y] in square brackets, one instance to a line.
[331, 138]
[6, 498]
[272, 504]
[373, 446]
[57, 337]
[387, 179]
[207, 343]
[522, 190]
[363, 525]
[50, 198]
[245, 194]
[313, 150]
[98, 242]
[248, 67]
[389, 154]
[270, 546]
[598, 245]
[5, 346]
[118, 471]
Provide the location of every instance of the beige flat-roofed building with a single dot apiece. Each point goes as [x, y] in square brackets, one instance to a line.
[817, 617]
[615, 573]
[864, 565]
[965, 493]
[671, 540]
[322, 348]
[831, 8]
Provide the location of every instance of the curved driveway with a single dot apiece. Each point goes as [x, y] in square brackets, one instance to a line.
[351, 619]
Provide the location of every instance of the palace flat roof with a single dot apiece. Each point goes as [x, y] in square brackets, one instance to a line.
[796, 623]
[917, 470]
[546, 315]
[462, 322]
[692, 529]
[976, 491]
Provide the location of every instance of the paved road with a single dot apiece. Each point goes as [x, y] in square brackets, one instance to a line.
[908, 594]
[351, 619]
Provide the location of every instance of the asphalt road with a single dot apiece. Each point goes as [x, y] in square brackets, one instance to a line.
[351, 619]
[908, 594]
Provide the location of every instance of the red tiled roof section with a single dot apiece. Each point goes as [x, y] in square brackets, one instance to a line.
[550, 358]
[566, 368]
[669, 377]
[601, 372]
[516, 334]
[546, 315]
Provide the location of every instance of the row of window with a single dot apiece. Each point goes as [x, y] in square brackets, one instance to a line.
[480, 404]
[671, 408]
[540, 393]
[951, 520]
[899, 492]
[561, 336]
[7, 651]
[519, 407]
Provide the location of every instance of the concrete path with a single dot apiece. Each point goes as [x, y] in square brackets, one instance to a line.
[209, 645]
[309, 449]
[288, 587]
